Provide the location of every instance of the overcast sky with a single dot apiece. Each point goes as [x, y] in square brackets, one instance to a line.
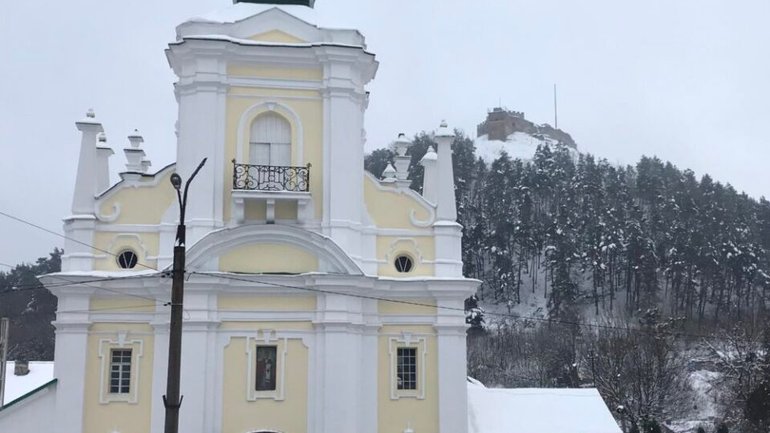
[688, 81]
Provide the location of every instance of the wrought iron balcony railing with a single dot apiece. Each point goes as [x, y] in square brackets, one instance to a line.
[249, 177]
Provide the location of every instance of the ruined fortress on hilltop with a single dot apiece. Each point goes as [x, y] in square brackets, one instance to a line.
[501, 123]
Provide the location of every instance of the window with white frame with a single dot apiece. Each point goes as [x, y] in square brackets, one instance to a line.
[266, 366]
[120, 359]
[270, 141]
[120, 371]
[407, 366]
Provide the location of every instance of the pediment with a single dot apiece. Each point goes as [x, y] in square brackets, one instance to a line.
[269, 248]
[255, 22]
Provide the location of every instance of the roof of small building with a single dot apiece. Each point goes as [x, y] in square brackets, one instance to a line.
[537, 410]
[40, 373]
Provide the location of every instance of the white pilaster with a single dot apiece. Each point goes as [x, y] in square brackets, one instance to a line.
[70, 367]
[452, 368]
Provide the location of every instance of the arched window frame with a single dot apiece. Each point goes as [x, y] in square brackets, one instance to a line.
[250, 114]
[270, 140]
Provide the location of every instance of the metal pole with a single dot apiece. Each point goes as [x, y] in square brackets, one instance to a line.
[173, 400]
[3, 356]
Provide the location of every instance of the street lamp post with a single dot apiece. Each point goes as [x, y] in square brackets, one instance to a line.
[172, 400]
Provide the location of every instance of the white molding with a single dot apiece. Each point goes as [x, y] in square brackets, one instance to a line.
[408, 340]
[271, 105]
[331, 258]
[268, 338]
[137, 351]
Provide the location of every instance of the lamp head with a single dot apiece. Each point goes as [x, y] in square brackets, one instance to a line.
[176, 180]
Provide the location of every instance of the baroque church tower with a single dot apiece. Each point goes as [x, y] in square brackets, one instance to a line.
[318, 298]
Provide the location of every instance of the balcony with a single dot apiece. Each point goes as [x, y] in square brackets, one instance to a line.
[270, 184]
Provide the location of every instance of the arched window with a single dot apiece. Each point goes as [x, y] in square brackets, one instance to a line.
[270, 141]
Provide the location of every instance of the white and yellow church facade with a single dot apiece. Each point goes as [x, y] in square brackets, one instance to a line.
[318, 298]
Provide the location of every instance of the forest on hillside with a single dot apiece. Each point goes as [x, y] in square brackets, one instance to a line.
[644, 281]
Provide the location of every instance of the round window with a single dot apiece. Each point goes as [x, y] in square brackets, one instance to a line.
[127, 259]
[403, 263]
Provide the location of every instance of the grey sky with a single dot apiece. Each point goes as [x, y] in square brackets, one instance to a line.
[684, 80]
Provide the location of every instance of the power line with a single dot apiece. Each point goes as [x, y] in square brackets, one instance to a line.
[371, 297]
[31, 224]
[456, 309]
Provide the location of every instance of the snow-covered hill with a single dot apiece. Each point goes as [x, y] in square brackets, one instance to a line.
[519, 145]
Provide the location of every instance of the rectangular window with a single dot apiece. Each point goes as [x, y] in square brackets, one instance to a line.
[266, 368]
[120, 371]
[406, 367]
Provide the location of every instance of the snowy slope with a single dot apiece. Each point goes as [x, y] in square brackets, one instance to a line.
[519, 145]
[537, 410]
[40, 373]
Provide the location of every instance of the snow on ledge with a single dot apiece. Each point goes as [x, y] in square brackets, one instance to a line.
[40, 373]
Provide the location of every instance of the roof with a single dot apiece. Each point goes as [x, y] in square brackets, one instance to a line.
[537, 410]
[40, 374]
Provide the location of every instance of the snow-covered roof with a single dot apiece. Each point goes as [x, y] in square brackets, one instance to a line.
[245, 20]
[240, 11]
[40, 373]
[537, 410]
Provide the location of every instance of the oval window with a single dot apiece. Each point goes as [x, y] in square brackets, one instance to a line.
[403, 264]
[127, 259]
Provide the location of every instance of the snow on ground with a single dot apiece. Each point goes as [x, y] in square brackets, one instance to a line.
[40, 373]
[705, 403]
[537, 410]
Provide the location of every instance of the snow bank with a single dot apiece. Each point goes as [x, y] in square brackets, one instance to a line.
[537, 410]
[40, 373]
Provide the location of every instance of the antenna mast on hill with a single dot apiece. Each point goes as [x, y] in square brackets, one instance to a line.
[555, 111]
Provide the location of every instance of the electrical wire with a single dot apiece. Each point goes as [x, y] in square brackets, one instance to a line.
[397, 301]
[31, 224]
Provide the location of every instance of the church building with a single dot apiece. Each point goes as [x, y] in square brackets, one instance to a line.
[318, 297]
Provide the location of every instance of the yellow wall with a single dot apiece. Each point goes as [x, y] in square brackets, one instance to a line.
[421, 248]
[268, 258]
[122, 416]
[391, 209]
[142, 205]
[308, 107]
[426, 307]
[257, 210]
[288, 415]
[113, 304]
[277, 73]
[267, 303]
[276, 36]
[143, 244]
[394, 415]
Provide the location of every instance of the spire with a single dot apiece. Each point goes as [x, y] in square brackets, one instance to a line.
[86, 178]
[429, 179]
[446, 209]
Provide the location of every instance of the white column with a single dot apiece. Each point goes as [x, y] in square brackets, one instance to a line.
[159, 371]
[452, 368]
[345, 173]
[70, 355]
[198, 372]
[202, 135]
